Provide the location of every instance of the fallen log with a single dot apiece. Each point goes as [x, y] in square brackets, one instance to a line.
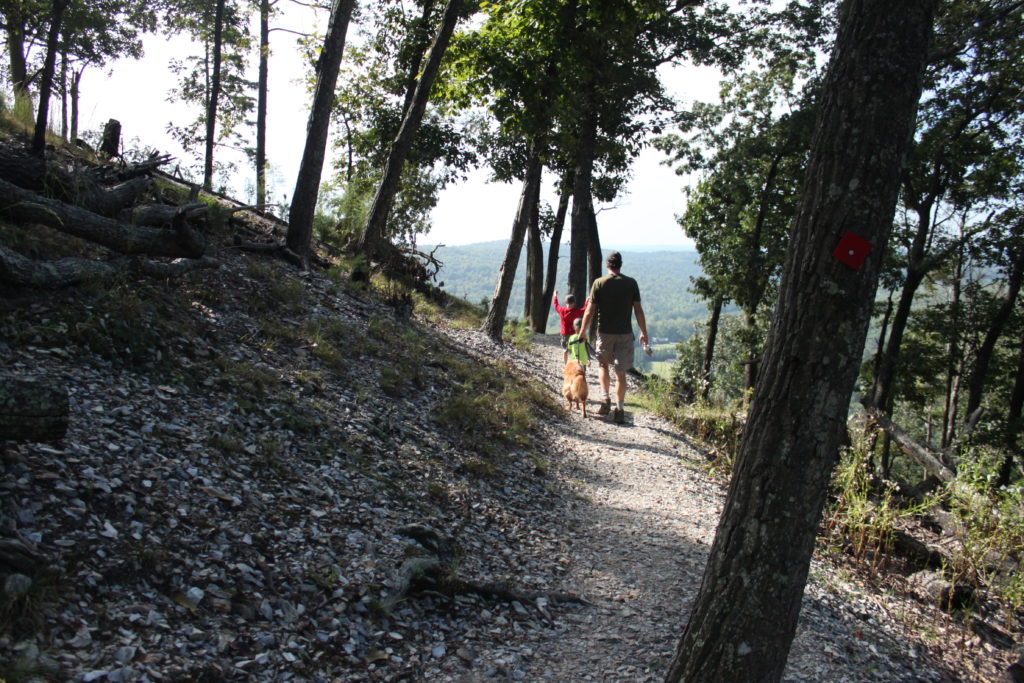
[22, 206]
[923, 456]
[17, 270]
[163, 215]
[32, 410]
[50, 180]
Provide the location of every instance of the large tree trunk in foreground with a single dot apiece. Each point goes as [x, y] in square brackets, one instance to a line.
[373, 237]
[307, 184]
[745, 615]
[32, 410]
[507, 274]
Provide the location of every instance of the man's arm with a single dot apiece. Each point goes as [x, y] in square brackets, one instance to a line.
[641, 322]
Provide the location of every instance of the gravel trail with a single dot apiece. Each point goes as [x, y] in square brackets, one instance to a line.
[638, 543]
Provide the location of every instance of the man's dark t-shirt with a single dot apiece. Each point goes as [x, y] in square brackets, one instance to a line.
[614, 296]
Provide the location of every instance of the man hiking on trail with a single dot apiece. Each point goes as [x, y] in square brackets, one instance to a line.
[614, 298]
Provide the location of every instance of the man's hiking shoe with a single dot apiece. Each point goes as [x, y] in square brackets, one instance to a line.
[618, 416]
[605, 407]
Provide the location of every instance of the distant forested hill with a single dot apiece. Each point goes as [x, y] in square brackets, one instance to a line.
[471, 271]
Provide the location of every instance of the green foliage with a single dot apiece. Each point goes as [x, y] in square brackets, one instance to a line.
[718, 428]
[990, 530]
[519, 333]
[859, 517]
[194, 72]
[491, 408]
[734, 344]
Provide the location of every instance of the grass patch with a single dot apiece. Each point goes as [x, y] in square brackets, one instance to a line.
[718, 428]
[489, 406]
[518, 333]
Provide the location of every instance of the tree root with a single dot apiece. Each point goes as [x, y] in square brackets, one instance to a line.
[436, 575]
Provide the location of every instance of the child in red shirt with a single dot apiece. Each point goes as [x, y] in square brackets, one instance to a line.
[567, 314]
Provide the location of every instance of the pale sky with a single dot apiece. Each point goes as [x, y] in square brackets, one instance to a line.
[135, 93]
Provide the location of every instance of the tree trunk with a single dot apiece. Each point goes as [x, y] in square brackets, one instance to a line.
[495, 320]
[64, 94]
[15, 25]
[582, 202]
[709, 348]
[1013, 422]
[952, 351]
[261, 106]
[917, 268]
[214, 101]
[745, 616]
[983, 359]
[110, 143]
[536, 309]
[553, 248]
[750, 364]
[32, 410]
[371, 241]
[595, 260]
[307, 184]
[76, 81]
[46, 84]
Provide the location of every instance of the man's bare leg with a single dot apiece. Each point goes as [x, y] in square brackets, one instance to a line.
[604, 380]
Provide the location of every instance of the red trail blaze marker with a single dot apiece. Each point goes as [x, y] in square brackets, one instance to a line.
[852, 250]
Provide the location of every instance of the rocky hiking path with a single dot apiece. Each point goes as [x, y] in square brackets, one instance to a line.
[638, 543]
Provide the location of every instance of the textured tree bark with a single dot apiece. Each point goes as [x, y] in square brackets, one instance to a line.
[495, 320]
[745, 616]
[370, 242]
[32, 410]
[307, 184]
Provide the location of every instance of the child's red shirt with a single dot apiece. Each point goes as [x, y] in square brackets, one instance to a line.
[568, 315]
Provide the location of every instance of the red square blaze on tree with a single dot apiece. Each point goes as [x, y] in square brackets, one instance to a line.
[852, 250]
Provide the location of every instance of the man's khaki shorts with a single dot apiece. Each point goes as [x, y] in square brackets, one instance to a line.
[615, 350]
